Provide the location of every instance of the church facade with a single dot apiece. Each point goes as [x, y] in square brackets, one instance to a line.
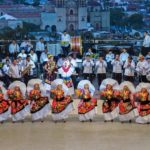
[66, 15]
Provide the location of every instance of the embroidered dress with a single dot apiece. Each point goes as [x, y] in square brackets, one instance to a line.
[143, 98]
[87, 105]
[110, 101]
[49, 75]
[19, 105]
[4, 106]
[127, 108]
[39, 105]
[66, 72]
[62, 103]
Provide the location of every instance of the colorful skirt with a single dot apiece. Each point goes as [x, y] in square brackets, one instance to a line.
[61, 108]
[39, 108]
[144, 113]
[19, 109]
[87, 109]
[69, 83]
[5, 110]
[127, 111]
[110, 109]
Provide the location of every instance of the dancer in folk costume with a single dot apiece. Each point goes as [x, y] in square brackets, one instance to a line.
[50, 69]
[109, 94]
[143, 99]
[19, 104]
[62, 103]
[127, 108]
[66, 71]
[39, 105]
[87, 105]
[5, 110]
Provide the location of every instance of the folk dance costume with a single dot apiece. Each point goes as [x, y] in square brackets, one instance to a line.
[19, 105]
[50, 75]
[127, 107]
[39, 105]
[87, 105]
[62, 103]
[5, 110]
[109, 94]
[143, 98]
[66, 71]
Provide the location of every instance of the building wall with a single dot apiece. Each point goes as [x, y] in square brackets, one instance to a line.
[105, 20]
[48, 19]
[100, 20]
[82, 18]
[36, 20]
[61, 19]
[3, 23]
[15, 23]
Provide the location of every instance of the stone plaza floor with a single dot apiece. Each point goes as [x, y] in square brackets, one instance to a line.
[74, 135]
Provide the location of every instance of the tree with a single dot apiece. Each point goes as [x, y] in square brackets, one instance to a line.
[36, 2]
[136, 21]
[1, 1]
[117, 16]
[19, 1]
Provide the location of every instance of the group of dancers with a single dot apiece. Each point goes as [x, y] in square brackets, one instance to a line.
[123, 102]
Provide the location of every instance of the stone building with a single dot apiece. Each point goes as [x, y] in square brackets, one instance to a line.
[66, 15]
[75, 15]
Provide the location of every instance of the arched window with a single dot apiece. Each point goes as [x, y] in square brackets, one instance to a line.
[71, 12]
[71, 27]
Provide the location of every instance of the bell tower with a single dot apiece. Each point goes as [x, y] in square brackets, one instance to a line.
[60, 3]
[82, 3]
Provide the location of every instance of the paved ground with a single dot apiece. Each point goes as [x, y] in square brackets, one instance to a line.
[74, 135]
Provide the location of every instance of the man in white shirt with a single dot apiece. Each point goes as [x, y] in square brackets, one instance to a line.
[13, 49]
[65, 43]
[109, 58]
[142, 69]
[40, 47]
[31, 72]
[72, 61]
[14, 71]
[129, 67]
[60, 61]
[146, 44]
[23, 55]
[44, 56]
[7, 58]
[33, 56]
[124, 56]
[73, 64]
[101, 66]
[88, 65]
[89, 52]
[6, 68]
[5, 71]
[117, 69]
[148, 71]
[26, 45]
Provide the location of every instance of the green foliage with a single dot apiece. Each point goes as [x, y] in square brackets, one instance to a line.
[30, 27]
[8, 33]
[116, 16]
[1, 1]
[136, 21]
[18, 1]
